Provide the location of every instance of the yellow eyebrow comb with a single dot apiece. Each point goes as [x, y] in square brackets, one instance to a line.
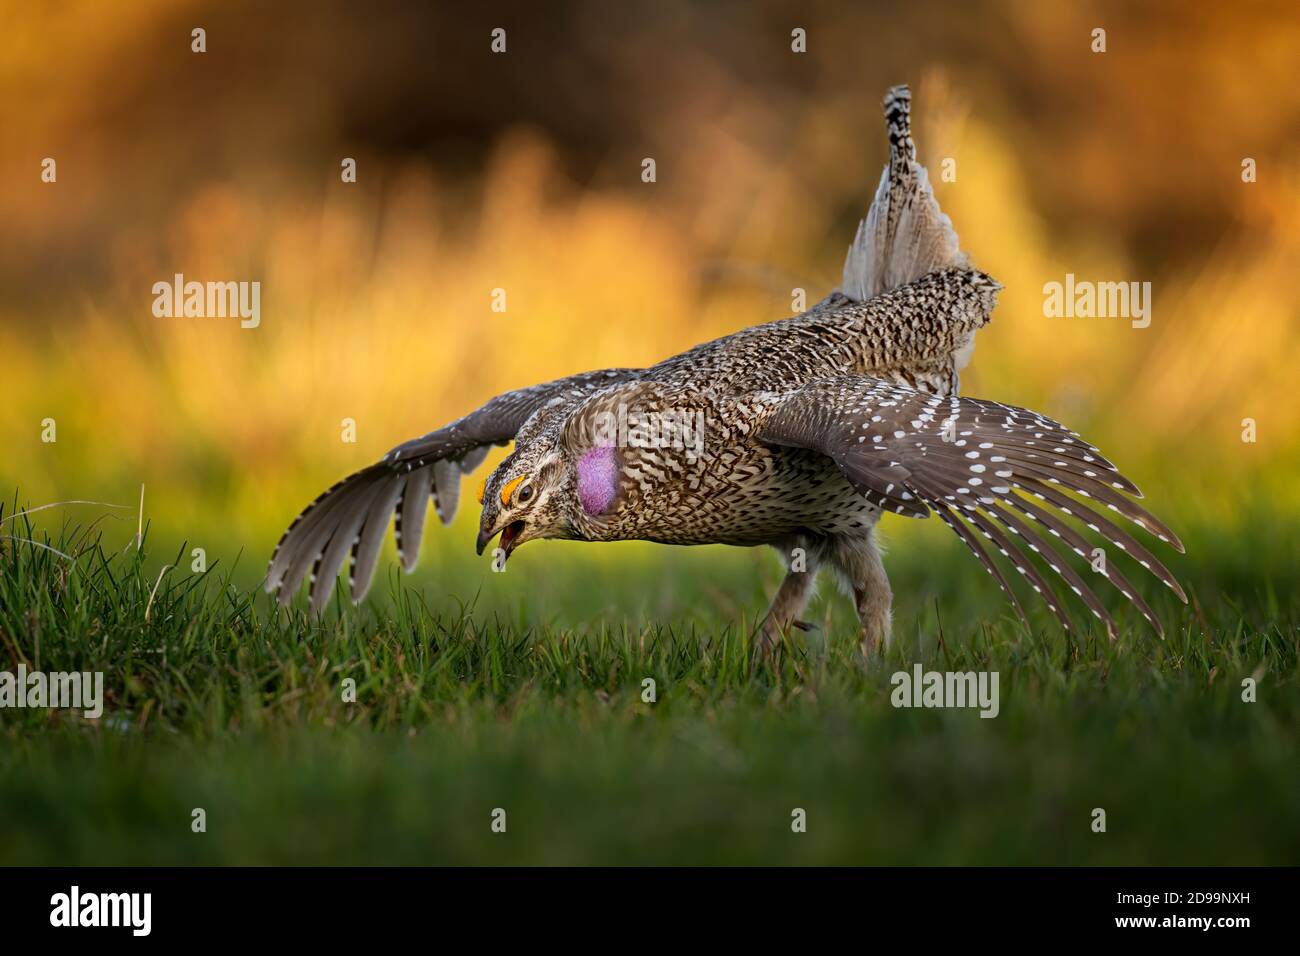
[508, 490]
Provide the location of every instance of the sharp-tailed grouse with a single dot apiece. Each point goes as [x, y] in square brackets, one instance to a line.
[796, 434]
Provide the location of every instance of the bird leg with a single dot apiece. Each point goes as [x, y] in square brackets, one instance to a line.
[860, 565]
[791, 597]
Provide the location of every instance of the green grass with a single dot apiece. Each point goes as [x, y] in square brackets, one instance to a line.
[523, 691]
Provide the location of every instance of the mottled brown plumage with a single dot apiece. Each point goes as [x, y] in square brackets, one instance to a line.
[797, 434]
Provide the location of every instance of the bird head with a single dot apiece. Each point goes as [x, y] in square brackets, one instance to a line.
[527, 496]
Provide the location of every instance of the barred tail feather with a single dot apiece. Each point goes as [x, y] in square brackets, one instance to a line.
[905, 234]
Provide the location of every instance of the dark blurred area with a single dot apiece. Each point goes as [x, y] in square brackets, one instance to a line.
[139, 122]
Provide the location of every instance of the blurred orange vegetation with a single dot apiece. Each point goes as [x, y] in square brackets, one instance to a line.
[376, 297]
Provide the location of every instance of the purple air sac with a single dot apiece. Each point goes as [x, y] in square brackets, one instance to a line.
[597, 479]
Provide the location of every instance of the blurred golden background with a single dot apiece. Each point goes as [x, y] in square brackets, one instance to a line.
[522, 171]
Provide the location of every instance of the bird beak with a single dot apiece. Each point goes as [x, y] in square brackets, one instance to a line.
[510, 537]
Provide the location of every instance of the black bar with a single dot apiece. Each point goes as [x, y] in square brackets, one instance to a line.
[335, 906]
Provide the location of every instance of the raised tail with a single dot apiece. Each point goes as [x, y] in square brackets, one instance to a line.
[905, 234]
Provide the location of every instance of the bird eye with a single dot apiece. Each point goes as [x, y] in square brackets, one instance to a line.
[525, 494]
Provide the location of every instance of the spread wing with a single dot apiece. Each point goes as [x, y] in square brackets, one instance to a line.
[983, 467]
[351, 517]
